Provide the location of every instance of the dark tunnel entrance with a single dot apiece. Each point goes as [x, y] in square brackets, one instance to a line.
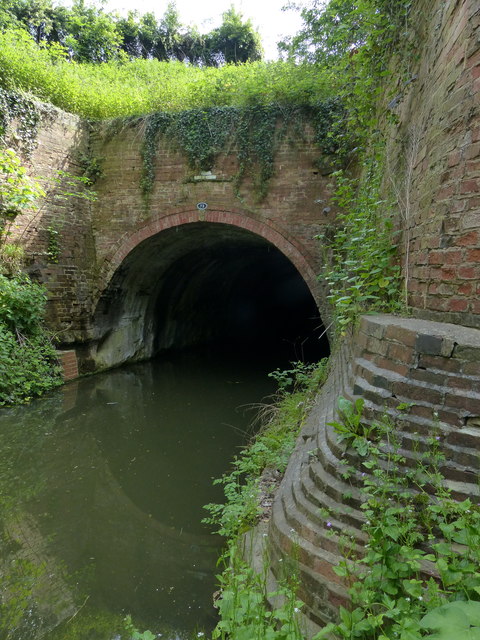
[207, 284]
[238, 295]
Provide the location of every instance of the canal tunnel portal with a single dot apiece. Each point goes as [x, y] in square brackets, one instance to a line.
[203, 283]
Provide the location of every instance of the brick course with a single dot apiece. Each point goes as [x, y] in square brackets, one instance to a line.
[427, 365]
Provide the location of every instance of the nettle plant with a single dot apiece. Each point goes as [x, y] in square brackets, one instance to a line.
[360, 249]
[420, 571]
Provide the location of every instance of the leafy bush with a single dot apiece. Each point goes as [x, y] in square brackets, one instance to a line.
[22, 305]
[360, 249]
[28, 364]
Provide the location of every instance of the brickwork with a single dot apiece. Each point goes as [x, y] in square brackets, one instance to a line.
[69, 364]
[433, 366]
[438, 111]
[290, 216]
[95, 238]
[440, 121]
[288, 246]
[62, 139]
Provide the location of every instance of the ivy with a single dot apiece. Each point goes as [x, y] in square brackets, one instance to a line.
[252, 132]
[15, 106]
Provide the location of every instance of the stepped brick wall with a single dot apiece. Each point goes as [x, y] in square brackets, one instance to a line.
[435, 367]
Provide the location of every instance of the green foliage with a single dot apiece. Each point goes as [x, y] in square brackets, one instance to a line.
[66, 185]
[334, 31]
[22, 110]
[351, 427]
[366, 44]
[134, 633]
[423, 548]
[244, 612]
[138, 87]
[28, 365]
[360, 250]
[22, 304]
[357, 40]
[92, 168]
[87, 33]
[453, 620]
[53, 247]
[91, 34]
[12, 257]
[243, 609]
[270, 449]
[255, 132]
[301, 376]
[17, 191]
[235, 41]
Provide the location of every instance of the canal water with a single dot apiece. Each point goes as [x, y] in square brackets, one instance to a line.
[102, 487]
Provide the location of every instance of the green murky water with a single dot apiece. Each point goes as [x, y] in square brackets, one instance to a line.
[101, 492]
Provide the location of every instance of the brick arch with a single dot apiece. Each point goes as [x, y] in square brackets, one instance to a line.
[284, 244]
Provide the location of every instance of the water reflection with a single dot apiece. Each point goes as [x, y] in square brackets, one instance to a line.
[101, 493]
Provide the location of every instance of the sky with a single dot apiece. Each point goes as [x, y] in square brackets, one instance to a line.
[266, 16]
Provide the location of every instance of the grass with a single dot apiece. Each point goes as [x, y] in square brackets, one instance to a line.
[124, 88]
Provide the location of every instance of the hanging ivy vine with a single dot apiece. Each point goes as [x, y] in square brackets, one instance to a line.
[253, 133]
[15, 106]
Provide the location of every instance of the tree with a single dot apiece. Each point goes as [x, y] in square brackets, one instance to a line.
[336, 30]
[92, 34]
[234, 41]
[36, 16]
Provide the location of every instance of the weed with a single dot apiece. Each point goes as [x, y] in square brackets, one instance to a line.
[423, 548]
[243, 608]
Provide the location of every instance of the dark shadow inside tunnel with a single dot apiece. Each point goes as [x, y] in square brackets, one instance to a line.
[207, 284]
[250, 297]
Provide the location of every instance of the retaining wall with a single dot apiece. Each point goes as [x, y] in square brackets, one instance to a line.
[435, 367]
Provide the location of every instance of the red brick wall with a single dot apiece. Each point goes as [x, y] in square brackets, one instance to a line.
[441, 109]
[62, 139]
[69, 364]
[431, 366]
[290, 216]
